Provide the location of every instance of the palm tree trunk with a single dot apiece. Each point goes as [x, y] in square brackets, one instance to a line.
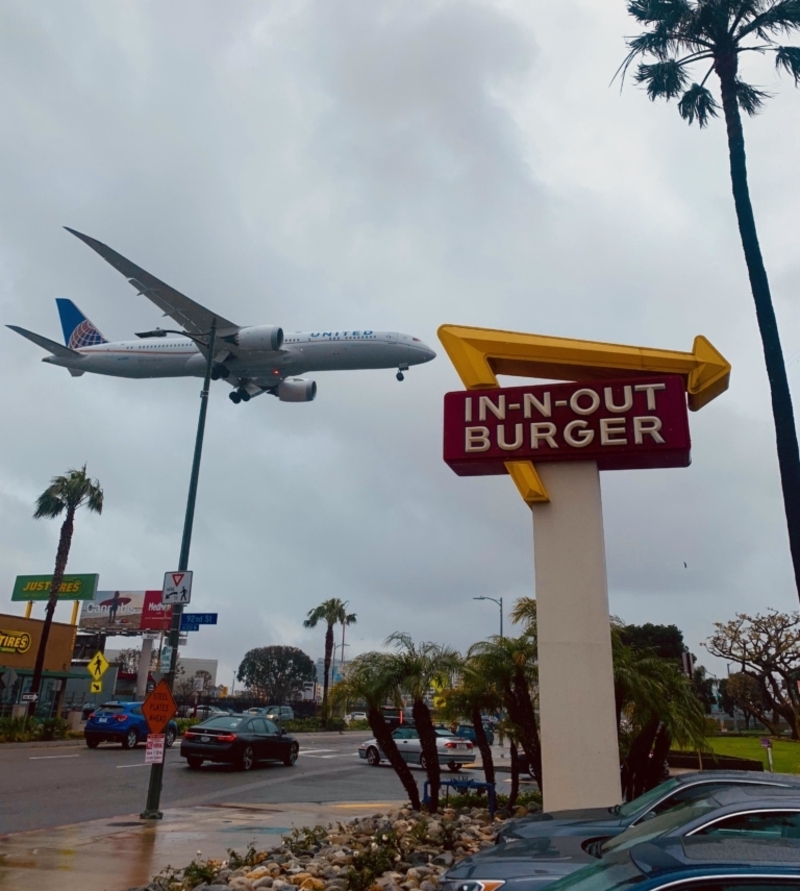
[327, 671]
[512, 798]
[483, 745]
[427, 738]
[520, 710]
[782, 410]
[383, 734]
[62, 555]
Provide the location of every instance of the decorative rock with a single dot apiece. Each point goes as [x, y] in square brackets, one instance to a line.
[266, 882]
[427, 885]
[444, 859]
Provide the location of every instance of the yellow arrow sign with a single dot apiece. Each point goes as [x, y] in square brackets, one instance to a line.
[96, 687]
[98, 665]
[480, 354]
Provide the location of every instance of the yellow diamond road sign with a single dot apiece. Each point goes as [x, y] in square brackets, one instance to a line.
[98, 665]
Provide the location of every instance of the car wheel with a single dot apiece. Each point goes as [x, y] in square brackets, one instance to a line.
[291, 757]
[453, 765]
[92, 743]
[169, 737]
[194, 762]
[247, 758]
[131, 739]
[373, 757]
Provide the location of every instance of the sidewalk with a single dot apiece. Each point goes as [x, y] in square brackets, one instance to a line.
[124, 852]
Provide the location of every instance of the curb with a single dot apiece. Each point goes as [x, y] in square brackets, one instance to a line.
[41, 744]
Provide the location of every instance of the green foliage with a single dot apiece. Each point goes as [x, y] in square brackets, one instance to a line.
[20, 730]
[312, 725]
[356, 725]
[199, 872]
[69, 492]
[371, 864]
[664, 641]
[530, 799]
[305, 840]
[185, 723]
[276, 673]
[250, 857]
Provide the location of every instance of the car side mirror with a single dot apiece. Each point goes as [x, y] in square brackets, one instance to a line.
[648, 816]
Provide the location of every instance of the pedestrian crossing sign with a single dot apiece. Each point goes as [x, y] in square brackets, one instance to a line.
[98, 666]
[177, 588]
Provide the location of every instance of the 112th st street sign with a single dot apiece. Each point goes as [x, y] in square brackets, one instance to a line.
[621, 425]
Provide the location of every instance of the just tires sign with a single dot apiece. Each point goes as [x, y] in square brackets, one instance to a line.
[620, 424]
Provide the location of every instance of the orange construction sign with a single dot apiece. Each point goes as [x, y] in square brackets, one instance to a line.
[159, 707]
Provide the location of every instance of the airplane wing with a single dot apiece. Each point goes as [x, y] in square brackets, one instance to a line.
[51, 346]
[191, 316]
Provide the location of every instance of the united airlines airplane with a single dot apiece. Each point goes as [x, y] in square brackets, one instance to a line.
[253, 359]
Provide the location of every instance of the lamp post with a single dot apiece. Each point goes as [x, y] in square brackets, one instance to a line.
[151, 811]
[500, 604]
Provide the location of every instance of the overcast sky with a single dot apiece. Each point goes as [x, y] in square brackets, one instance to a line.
[381, 165]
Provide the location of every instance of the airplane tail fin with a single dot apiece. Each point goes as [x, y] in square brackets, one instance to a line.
[78, 330]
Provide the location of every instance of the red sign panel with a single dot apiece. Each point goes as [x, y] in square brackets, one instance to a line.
[156, 616]
[619, 424]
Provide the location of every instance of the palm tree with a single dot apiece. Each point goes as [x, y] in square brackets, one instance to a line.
[511, 661]
[332, 612]
[64, 494]
[681, 34]
[372, 679]
[419, 668]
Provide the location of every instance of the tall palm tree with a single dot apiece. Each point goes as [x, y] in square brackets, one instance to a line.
[681, 34]
[64, 495]
[372, 680]
[332, 612]
[419, 667]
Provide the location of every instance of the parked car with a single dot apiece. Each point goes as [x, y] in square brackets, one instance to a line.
[355, 716]
[242, 740]
[277, 713]
[692, 864]
[532, 863]
[204, 712]
[122, 722]
[610, 821]
[452, 750]
[467, 731]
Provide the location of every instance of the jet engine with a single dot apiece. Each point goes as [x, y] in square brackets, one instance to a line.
[297, 390]
[259, 337]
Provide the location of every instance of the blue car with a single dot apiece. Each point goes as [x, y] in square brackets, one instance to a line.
[697, 863]
[122, 722]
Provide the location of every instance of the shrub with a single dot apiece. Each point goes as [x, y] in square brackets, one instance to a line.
[185, 723]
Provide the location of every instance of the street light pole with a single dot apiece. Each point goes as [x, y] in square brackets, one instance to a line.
[499, 602]
[152, 811]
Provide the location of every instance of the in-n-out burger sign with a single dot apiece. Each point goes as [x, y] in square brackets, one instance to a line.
[620, 424]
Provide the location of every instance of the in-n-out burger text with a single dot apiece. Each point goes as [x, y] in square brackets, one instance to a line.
[620, 424]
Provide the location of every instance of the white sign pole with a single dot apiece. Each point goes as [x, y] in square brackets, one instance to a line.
[580, 753]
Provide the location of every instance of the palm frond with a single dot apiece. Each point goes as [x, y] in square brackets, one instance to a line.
[749, 98]
[662, 12]
[48, 506]
[782, 16]
[788, 58]
[70, 491]
[697, 104]
[663, 80]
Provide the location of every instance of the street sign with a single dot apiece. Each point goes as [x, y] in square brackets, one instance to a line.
[9, 678]
[766, 742]
[30, 697]
[199, 619]
[159, 707]
[98, 665]
[165, 661]
[177, 587]
[189, 626]
[96, 687]
[154, 753]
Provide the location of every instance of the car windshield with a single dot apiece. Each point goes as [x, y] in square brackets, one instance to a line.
[644, 801]
[671, 819]
[222, 722]
[441, 732]
[600, 877]
[110, 709]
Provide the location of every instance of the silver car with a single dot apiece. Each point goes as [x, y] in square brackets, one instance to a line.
[453, 751]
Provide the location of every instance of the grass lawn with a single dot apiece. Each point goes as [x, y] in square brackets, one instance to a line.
[785, 755]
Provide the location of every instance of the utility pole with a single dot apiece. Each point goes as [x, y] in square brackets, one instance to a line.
[152, 811]
[499, 602]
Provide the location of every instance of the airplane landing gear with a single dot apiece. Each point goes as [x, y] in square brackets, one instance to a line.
[240, 395]
[404, 367]
[219, 371]
[400, 376]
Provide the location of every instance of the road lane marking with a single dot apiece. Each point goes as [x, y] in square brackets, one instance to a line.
[49, 757]
[121, 766]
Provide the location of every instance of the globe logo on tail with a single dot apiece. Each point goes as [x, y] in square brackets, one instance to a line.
[84, 335]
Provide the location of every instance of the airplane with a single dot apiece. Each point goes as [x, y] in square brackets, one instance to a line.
[252, 359]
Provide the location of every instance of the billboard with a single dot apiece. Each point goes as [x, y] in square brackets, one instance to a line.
[37, 587]
[125, 612]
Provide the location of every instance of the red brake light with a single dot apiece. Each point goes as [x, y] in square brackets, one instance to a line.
[188, 733]
[120, 717]
[226, 737]
[451, 745]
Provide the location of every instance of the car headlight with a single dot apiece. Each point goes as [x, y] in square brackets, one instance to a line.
[472, 885]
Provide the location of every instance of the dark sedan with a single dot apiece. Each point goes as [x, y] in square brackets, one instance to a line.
[241, 740]
[611, 821]
[533, 863]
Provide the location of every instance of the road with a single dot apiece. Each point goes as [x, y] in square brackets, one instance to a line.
[53, 786]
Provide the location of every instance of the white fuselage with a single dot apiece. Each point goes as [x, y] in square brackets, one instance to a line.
[301, 352]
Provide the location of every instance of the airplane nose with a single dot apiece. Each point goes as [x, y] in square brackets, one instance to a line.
[429, 354]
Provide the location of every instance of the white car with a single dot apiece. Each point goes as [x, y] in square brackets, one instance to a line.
[453, 751]
[355, 716]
